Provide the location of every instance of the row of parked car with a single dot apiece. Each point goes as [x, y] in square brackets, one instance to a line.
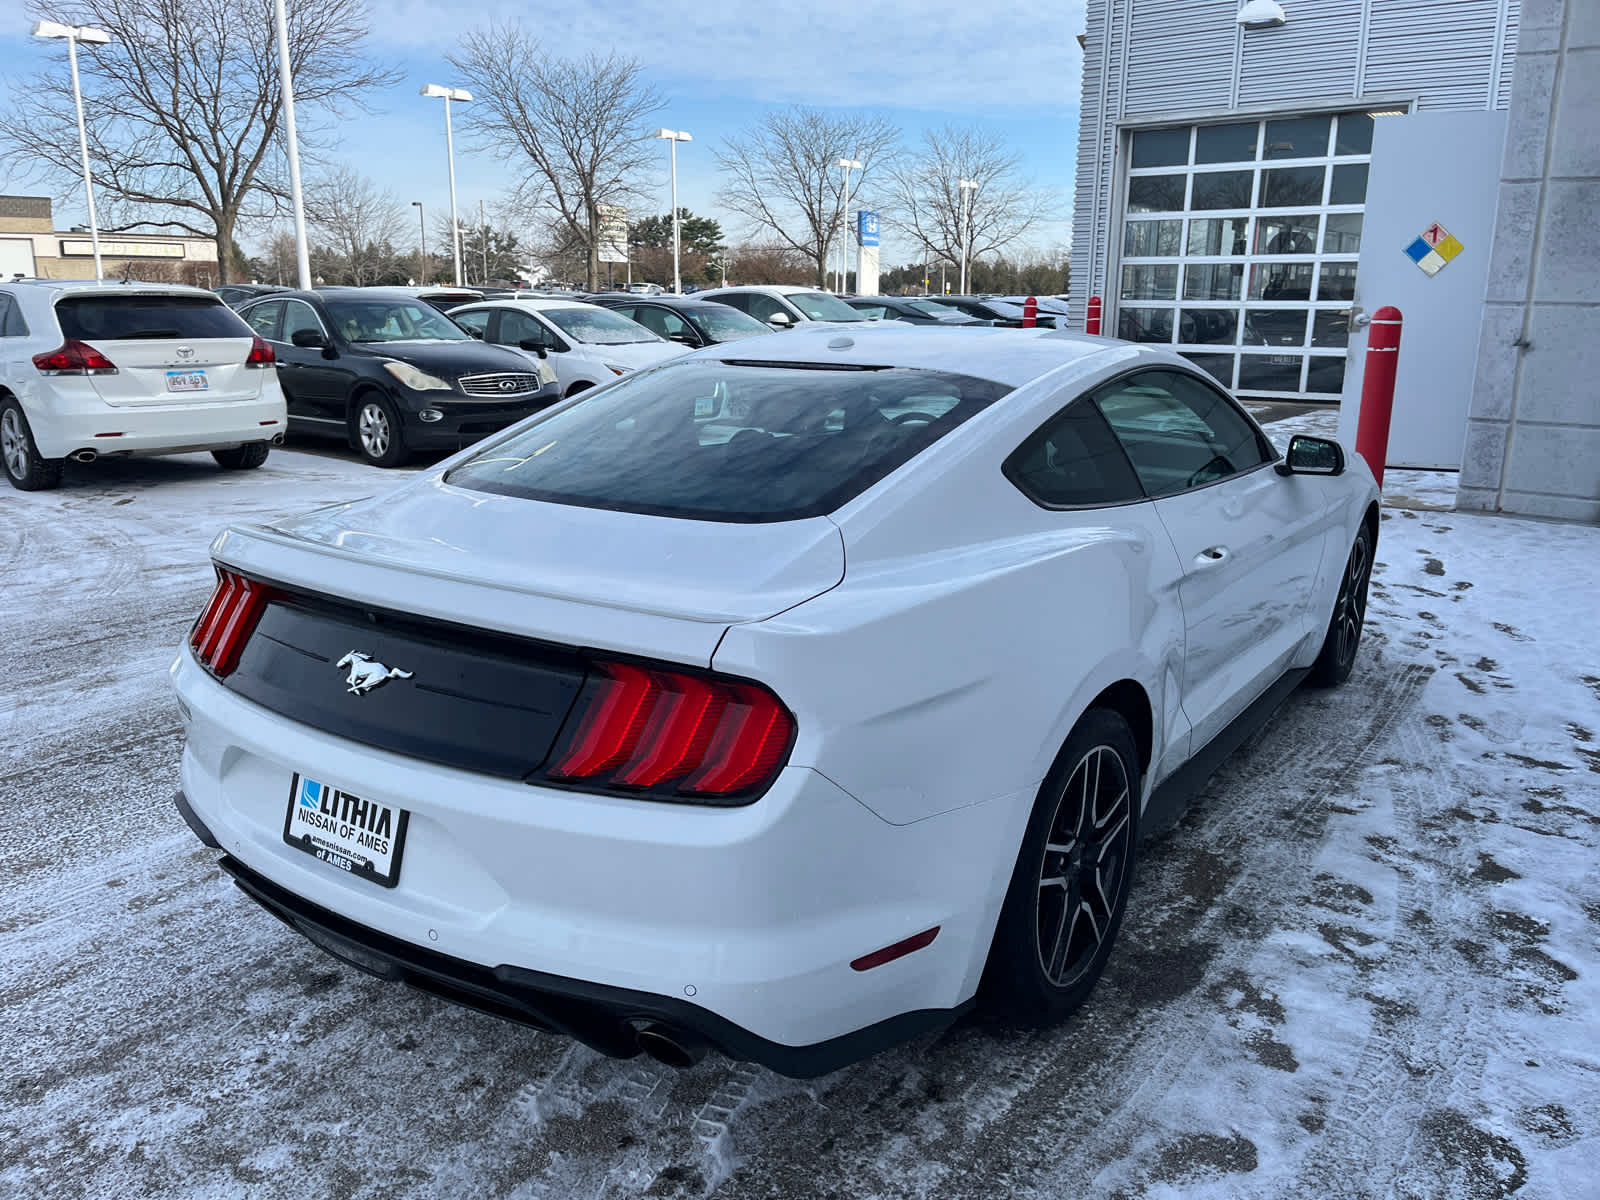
[391, 371]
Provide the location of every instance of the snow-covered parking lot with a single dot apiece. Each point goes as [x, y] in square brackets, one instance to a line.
[1367, 963]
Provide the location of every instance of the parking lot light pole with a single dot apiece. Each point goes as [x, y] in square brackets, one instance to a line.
[302, 249]
[674, 136]
[422, 245]
[461, 95]
[848, 164]
[73, 34]
[967, 188]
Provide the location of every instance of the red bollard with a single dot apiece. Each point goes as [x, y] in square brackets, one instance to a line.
[1030, 313]
[1092, 324]
[1377, 389]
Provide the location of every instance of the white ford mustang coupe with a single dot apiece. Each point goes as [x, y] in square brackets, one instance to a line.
[788, 699]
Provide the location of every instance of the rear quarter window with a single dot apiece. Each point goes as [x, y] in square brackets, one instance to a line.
[114, 317]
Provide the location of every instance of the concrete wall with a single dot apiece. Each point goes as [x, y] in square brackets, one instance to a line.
[1533, 434]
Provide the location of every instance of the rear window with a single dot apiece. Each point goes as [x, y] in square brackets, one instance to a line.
[730, 441]
[114, 317]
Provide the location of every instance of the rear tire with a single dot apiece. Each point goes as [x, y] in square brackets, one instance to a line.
[375, 431]
[241, 458]
[27, 470]
[1338, 656]
[1070, 885]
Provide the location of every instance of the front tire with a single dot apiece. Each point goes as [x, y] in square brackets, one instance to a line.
[25, 467]
[375, 431]
[241, 458]
[1070, 885]
[1338, 655]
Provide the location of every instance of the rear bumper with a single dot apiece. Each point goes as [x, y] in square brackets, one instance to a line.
[607, 1019]
[739, 925]
[68, 419]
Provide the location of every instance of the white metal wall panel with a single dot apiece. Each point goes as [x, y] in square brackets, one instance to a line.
[1508, 54]
[1442, 50]
[1180, 56]
[1312, 57]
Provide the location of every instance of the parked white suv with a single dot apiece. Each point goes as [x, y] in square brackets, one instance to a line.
[90, 369]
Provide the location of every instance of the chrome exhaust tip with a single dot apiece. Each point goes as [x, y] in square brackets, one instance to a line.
[670, 1047]
[277, 439]
[84, 456]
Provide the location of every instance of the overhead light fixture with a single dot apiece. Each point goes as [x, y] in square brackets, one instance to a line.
[1387, 112]
[1262, 14]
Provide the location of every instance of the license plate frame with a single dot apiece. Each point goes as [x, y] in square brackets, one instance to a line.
[192, 380]
[321, 824]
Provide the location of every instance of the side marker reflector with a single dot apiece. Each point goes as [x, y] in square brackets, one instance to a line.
[899, 950]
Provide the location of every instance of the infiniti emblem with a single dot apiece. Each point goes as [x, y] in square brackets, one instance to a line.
[366, 673]
[185, 352]
[508, 385]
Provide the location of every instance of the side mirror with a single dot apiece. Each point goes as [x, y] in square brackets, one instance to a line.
[532, 344]
[309, 339]
[1312, 456]
[473, 333]
[685, 337]
[780, 320]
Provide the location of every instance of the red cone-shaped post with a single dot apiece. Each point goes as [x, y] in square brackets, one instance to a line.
[1092, 323]
[1030, 313]
[1377, 389]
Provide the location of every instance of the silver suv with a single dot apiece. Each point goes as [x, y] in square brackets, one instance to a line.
[90, 369]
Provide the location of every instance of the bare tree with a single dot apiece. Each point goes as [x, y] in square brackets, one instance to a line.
[575, 127]
[183, 105]
[785, 176]
[359, 221]
[926, 200]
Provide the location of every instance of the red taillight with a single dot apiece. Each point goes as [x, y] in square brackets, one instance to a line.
[73, 357]
[261, 354]
[899, 949]
[229, 619]
[692, 736]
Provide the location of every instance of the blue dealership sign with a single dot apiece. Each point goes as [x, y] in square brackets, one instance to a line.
[867, 228]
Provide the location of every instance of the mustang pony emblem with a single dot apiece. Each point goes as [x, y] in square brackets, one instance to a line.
[366, 674]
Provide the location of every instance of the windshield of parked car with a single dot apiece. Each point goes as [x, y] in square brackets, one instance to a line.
[730, 441]
[375, 320]
[820, 306]
[723, 324]
[597, 326]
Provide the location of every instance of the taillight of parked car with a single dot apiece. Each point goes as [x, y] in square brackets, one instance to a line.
[261, 354]
[696, 738]
[230, 618]
[73, 357]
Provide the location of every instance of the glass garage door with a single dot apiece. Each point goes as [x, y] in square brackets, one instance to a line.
[1239, 247]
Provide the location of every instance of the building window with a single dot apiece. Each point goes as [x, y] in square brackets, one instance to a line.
[1239, 247]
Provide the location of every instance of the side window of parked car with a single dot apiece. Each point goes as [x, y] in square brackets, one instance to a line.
[297, 316]
[11, 322]
[263, 319]
[474, 322]
[1179, 432]
[663, 322]
[517, 327]
[1074, 461]
[762, 307]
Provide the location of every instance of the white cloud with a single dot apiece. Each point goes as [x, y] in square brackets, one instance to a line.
[970, 57]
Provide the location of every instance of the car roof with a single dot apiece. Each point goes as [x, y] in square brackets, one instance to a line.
[1009, 356]
[767, 289]
[534, 303]
[669, 300]
[132, 287]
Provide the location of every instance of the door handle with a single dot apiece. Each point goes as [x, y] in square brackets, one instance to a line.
[1211, 556]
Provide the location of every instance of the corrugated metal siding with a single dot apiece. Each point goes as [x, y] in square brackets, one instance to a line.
[1313, 57]
[1508, 56]
[1180, 56]
[1442, 50]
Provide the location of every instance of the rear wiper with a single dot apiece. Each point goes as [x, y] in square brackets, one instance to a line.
[147, 333]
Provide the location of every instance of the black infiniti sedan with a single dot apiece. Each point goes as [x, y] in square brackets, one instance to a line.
[390, 373]
[688, 322]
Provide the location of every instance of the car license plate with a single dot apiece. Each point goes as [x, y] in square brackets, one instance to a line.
[187, 381]
[346, 831]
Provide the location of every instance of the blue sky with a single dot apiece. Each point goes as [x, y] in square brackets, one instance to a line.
[1014, 70]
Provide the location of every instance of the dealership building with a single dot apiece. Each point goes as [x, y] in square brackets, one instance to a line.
[31, 246]
[1256, 178]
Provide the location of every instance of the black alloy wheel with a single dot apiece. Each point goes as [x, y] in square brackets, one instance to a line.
[1070, 886]
[1338, 655]
[27, 470]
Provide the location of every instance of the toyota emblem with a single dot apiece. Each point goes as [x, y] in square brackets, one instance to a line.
[185, 352]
